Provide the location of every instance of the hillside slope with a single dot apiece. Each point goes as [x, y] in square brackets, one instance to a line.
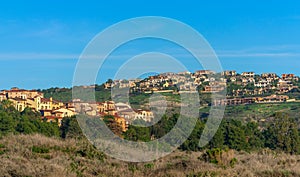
[37, 155]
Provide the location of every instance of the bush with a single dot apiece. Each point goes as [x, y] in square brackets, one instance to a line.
[220, 157]
[40, 150]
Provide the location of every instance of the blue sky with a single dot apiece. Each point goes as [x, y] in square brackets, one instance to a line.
[40, 41]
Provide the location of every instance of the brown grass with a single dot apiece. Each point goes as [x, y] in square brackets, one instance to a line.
[55, 157]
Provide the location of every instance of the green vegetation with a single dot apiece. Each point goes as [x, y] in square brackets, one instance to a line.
[220, 157]
[260, 113]
[26, 122]
[65, 94]
[40, 150]
[269, 129]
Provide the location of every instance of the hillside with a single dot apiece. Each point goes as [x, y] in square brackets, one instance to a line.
[37, 155]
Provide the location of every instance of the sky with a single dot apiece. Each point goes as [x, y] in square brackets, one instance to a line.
[41, 41]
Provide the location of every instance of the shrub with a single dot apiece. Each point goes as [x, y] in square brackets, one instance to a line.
[40, 150]
[149, 165]
[220, 157]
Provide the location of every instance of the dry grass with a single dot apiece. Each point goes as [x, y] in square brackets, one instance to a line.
[55, 157]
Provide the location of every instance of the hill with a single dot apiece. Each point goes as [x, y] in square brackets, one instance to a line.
[37, 155]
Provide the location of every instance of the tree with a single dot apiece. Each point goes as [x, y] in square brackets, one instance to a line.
[7, 124]
[192, 143]
[254, 136]
[235, 135]
[70, 128]
[218, 139]
[283, 134]
[136, 133]
[113, 125]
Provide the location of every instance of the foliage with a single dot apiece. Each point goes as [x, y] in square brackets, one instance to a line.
[70, 128]
[220, 157]
[26, 122]
[282, 134]
[40, 149]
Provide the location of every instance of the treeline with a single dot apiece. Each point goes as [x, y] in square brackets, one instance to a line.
[26, 122]
[29, 122]
[281, 133]
[65, 94]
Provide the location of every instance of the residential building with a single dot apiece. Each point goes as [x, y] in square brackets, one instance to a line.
[289, 77]
[144, 115]
[2, 96]
[204, 72]
[248, 74]
[229, 73]
[272, 99]
[50, 104]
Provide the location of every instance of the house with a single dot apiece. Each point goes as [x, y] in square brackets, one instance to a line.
[269, 75]
[289, 77]
[50, 104]
[88, 108]
[204, 72]
[57, 115]
[63, 112]
[248, 80]
[107, 107]
[122, 122]
[229, 73]
[233, 79]
[30, 98]
[262, 83]
[284, 86]
[166, 84]
[21, 93]
[213, 89]
[272, 99]
[19, 103]
[3, 97]
[248, 74]
[122, 106]
[53, 119]
[128, 114]
[144, 115]
[233, 101]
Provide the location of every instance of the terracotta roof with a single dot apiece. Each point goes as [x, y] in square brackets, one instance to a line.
[126, 110]
[21, 90]
[52, 117]
[46, 110]
[18, 99]
[45, 100]
[56, 110]
[59, 112]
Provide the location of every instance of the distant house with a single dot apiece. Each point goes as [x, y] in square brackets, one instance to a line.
[204, 72]
[233, 101]
[213, 89]
[50, 104]
[272, 99]
[3, 97]
[19, 103]
[248, 74]
[144, 115]
[269, 75]
[289, 77]
[229, 73]
[57, 115]
[63, 112]
[262, 83]
[122, 122]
